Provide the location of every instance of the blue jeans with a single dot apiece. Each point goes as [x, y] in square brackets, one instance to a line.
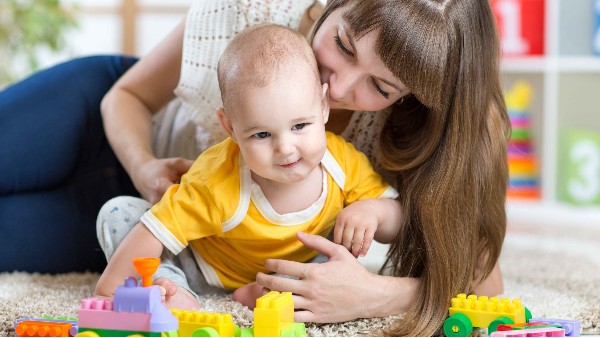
[56, 166]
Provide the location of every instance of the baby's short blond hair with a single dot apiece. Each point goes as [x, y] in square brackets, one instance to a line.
[258, 53]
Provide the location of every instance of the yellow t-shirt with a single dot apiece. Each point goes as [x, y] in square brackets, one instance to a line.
[222, 214]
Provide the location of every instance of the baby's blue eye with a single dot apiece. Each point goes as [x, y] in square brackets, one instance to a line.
[299, 126]
[261, 135]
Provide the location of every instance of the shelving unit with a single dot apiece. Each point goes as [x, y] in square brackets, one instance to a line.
[566, 96]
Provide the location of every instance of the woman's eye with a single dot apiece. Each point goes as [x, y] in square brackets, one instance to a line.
[299, 126]
[261, 135]
[379, 90]
[340, 44]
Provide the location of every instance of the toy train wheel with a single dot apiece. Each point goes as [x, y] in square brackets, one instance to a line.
[205, 332]
[457, 325]
[87, 334]
[493, 327]
[528, 315]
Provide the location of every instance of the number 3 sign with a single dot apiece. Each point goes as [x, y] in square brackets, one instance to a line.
[580, 183]
[521, 26]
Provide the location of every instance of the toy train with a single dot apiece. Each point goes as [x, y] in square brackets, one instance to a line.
[503, 318]
[138, 310]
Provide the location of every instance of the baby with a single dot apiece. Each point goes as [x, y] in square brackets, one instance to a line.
[278, 173]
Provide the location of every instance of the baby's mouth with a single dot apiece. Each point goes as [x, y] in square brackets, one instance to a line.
[291, 164]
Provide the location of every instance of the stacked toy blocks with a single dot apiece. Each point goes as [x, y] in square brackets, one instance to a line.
[274, 316]
[522, 160]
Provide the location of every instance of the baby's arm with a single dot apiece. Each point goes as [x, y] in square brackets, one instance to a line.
[140, 242]
[362, 221]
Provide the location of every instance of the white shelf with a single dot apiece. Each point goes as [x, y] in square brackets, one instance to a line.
[540, 64]
[552, 214]
[524, 64]
[584, 64]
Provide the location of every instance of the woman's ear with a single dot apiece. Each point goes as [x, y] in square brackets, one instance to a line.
[225, 122]
[325, 102]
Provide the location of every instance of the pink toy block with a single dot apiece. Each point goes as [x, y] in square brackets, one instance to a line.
[98, 313]
[541, 332]
[572, 327]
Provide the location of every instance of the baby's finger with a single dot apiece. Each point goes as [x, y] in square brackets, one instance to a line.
[348, 238]
[358, 241]
[166, 284]
[338, 231]
[369, 235]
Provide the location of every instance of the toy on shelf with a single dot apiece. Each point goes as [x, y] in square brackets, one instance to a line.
[522, 161]
[465, 313]
[521, 26]
[135, 310]
[572, 327]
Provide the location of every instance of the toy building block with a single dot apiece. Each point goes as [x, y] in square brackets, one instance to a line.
[190, 321]
[53, 320]
[520, 326]
[525, 326]
[274, 315]
[34, 328]
[537, 332]
[472, 311]
[146, 267]
[572, 327]
[135, 309]
[482, 311]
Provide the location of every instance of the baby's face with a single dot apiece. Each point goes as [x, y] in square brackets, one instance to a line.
[280, 128]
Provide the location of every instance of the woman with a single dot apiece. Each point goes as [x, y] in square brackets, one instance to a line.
[433, 103]
[436, 110]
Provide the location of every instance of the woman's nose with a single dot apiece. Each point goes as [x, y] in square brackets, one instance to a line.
[342, 84]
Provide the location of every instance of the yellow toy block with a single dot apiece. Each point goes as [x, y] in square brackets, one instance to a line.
[273, 312]
[482, 311]
[190, 321]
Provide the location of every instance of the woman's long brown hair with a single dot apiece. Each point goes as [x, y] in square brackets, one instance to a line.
[445, 144]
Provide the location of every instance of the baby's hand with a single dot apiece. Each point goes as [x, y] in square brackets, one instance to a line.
[174, 296]
[355, 227]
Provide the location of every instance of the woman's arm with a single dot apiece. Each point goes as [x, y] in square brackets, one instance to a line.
[127, 112]
[492, 285]
[139, 242]
[338, 290]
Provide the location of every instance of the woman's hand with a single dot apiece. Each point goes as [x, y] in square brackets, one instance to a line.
[155, 176]
[338, 290]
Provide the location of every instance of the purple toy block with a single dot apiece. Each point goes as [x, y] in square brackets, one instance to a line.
[572, 327]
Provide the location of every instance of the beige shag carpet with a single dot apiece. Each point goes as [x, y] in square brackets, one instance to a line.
[554, 270]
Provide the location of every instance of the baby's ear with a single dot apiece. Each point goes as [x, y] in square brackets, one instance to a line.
[325, 102]
[225, 122]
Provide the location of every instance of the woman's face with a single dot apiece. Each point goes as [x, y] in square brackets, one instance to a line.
[357, 78]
